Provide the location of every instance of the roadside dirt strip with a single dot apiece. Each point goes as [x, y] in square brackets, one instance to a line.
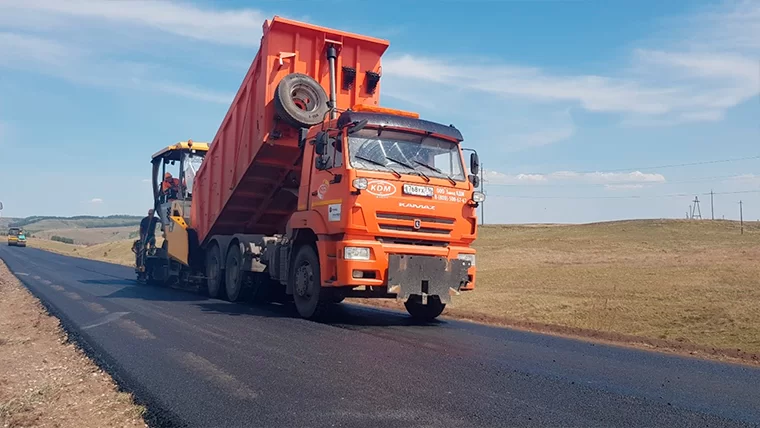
[46, 381]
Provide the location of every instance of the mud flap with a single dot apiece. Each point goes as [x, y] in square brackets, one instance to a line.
[426, 276]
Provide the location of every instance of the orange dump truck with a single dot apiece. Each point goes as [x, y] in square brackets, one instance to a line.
[311, 188]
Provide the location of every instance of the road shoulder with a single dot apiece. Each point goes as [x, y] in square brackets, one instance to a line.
[45, 380]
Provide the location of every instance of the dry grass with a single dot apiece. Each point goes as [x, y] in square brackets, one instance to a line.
[91, 236]
[46, 381]
[681, 281]
[119, 252]
[689, 282]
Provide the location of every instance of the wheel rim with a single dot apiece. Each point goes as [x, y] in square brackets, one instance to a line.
[213, 275]
[234, 273]
[304, 97]
[304, 279]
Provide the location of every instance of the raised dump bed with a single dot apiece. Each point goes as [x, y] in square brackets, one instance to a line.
[250, 178]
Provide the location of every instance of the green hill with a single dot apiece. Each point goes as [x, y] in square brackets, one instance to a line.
[36, 224]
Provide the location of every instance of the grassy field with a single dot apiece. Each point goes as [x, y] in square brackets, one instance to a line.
[695, 284]
[36, 224]
[91, 236]
[119, 252]
[684, 281]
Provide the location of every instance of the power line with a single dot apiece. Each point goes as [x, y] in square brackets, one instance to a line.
[612, 183]
[681, 164]
[678, 165]
[672, 195]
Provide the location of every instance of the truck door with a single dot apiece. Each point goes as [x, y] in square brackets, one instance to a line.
[325, 197]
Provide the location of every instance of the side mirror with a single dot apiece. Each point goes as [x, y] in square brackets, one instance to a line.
[357, 126]
[321, 143]
[475, 180]
[320, 163]
[474, 163]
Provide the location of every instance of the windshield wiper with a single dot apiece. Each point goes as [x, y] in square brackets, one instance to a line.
[432, 168]
[376, 162]
[420, 173]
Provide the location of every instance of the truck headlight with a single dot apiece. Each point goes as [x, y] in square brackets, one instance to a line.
[478, 197]
[359, 183]
[356, 253]
[467, 257]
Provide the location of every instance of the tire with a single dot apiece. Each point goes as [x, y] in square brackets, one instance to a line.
[309, 296]
[214, 277]
[300, 100]
[234, 276]
[422, 312]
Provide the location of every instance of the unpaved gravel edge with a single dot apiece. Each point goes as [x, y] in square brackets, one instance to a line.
[77, 347]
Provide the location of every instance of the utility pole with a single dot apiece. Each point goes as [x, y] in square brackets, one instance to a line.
[482, 204]
[712, 208]
[696, 212]
[741, 217]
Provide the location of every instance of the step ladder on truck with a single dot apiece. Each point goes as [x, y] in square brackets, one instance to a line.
[311, 191]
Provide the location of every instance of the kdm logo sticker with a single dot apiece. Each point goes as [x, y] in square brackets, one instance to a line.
[381, 188]
[323, 189]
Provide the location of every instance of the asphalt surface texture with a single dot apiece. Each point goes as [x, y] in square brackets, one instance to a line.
[196, 361]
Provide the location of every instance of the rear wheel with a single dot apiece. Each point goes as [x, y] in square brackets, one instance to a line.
[234, 275]
[308, 294]
[422, 312]
[214, 277]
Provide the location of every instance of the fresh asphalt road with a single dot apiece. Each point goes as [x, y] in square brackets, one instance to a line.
[204, 362]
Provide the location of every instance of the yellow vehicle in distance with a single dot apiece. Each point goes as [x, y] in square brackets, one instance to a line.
[16, 237]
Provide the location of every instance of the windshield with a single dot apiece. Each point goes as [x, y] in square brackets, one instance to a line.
[192, 164]
[405, 153]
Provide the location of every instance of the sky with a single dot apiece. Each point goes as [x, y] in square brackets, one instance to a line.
[581, 111]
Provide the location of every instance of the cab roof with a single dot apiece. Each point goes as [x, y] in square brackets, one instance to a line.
[174, 149]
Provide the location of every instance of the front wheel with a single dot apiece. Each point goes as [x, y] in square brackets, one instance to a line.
[306, 282]
[422, 312]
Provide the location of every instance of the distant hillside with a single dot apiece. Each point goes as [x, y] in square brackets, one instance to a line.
[42, 223]
[7, 221]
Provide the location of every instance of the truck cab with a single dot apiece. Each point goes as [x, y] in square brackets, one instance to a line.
[395, 189]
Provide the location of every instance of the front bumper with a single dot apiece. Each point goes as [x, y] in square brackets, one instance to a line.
[426, 276]
[401, 269]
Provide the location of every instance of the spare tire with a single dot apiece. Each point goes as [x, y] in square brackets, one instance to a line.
[300, 100]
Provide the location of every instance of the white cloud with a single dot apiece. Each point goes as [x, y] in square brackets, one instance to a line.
[19, 50]
[80, 66]
[240, 27]
[606, 178]
[542, 137]
[96, 201]
[666, 86]
[191, 91]
[623, 186]
[750, 179]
